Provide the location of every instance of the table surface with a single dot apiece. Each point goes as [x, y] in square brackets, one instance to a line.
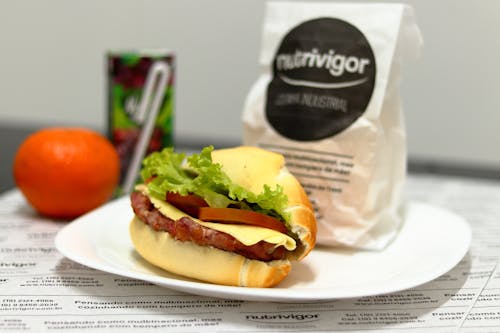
[43, 291]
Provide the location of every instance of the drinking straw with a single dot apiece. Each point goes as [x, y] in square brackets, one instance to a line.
[158, 76]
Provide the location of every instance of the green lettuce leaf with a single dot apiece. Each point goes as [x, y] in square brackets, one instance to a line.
[198, 174]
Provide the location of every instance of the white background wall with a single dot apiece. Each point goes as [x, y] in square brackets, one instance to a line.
[52, 67]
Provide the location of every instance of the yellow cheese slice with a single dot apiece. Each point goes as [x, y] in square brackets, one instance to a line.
[246, 234]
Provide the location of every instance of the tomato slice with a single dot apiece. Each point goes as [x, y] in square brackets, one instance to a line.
[189, 203]
[149, 180]
[240, 216]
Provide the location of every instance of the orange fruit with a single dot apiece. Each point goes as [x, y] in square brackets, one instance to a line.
[66, 172]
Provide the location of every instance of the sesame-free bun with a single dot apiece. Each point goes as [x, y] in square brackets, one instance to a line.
[252, 168]
[204, 263]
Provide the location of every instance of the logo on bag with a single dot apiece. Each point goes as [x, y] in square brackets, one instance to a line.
[323, 79]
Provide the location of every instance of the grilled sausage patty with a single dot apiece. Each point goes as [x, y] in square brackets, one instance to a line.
[185, 229]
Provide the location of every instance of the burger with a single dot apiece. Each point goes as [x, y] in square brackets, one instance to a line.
[231, 216]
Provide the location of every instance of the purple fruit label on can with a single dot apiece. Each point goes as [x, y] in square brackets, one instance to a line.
[139, 89]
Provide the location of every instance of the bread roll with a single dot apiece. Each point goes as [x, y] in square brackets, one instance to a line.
[205, 263]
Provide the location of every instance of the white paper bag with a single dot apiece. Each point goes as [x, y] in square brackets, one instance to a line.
[328, 99]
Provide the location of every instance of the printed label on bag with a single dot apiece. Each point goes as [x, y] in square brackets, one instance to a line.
[323, 79]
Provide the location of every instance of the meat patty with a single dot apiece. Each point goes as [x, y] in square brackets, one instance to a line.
[185, 229]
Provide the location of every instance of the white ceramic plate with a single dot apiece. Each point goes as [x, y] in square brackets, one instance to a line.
[430, 243]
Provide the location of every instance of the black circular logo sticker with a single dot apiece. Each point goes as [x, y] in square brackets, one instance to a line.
[323, 79]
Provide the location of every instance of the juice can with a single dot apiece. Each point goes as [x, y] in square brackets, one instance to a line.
[140, 106]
